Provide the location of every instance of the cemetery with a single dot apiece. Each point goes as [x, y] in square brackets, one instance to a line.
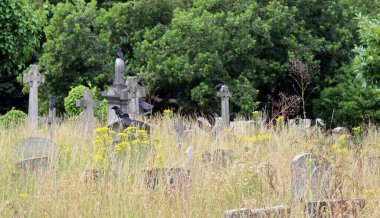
[144, 131]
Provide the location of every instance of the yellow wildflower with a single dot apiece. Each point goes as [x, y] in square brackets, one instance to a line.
[135, 142]
[156, 139]
[23, 195]
[101, 129]
[369, 192]
[145, 142]
[342, 139]
[280, 118]
[121, 134]
[168, 112]
[98, 157]
[343, 150]
[356, 129]
[334, 146]
[255, 113]
[227, 130]
[68, 150]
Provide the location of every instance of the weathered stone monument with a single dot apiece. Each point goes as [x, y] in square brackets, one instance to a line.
[218, 158]
[35, 153]
[179, 128]
[88, 104]
[33, 78]
[269, 212]
[128, 95]
[338, 132]
[374, 165]
[311, 175]
[113, 94]
[225, 94]
[335, 208]
[170, 178]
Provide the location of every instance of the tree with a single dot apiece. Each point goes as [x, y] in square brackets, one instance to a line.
[73, 53]
[244, 44]
[348, 100]
[367, 58]
[20, 32]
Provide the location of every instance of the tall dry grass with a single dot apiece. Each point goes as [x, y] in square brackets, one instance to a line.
[63, 192]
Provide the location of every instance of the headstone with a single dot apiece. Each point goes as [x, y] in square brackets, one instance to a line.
[267, 171]
[335, 208]
[170, 178]
[35, 153]
[225, 94]
[374, 165]
[203, 123]
[179, 129]
[133, 98]
[311, 173]
[219, 158]
[33, 78]
[219, 126]
[339, 131]
[88, 104]
[276, 211]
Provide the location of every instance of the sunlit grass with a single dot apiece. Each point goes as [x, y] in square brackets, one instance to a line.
[63, 191]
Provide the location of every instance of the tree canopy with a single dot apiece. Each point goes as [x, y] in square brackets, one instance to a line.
[187, 47]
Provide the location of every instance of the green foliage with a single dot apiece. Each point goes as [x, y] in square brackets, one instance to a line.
[73, 53]
[367, 59]
[13, 117]
[244, 44]
[76, 94]
[70, 101]
[20, 33]
[348, 100]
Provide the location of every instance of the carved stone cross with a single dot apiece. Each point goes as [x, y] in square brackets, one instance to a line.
[88, 104]
[33, 78]
[225, 94]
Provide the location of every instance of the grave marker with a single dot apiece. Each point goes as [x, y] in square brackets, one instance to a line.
[225, 94]
[276, 211]
[335, 208]
[88, 104]
[33, 78]
[311, 173]
[35, 153]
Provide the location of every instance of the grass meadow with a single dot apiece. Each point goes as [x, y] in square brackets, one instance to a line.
[63, 191]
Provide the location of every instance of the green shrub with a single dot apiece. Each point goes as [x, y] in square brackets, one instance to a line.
[13, 117]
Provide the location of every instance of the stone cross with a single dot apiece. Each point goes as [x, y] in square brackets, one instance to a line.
[33, 78]
[311, 173]
[225, 94]
[88, 103]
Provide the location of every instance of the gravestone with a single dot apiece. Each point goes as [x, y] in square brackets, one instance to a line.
[270, 212]
[374, 165]
[339, 131]
[35, 153]
[88, 104]
[335, 208]
[225, 94]
[218, 158]
[179, 128]
[219, 126]
[34, 79]
[312, 174]
[170, 178]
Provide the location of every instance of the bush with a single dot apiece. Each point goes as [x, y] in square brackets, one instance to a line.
[13, 117]
[76, 93]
